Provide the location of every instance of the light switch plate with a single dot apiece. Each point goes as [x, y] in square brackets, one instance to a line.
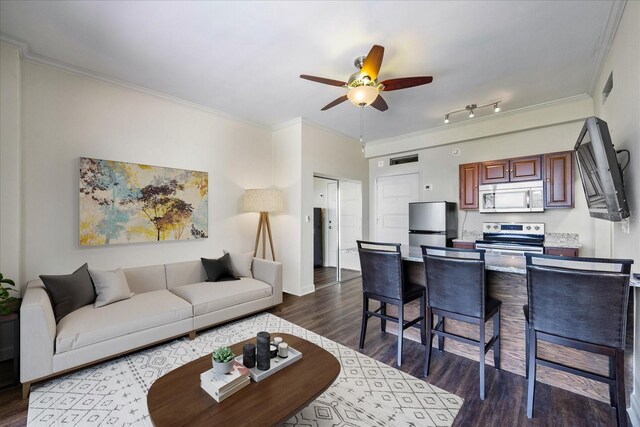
[380, 163]
[307, 218]
[428, 187]
[625, 226]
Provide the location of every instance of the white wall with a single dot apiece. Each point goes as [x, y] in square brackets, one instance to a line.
[10, 200]
[621, 111]
[326, 153]
[65, 116]
[286, 226]
[320, 193]
[439, 167]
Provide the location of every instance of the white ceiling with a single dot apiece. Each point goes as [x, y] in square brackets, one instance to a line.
[244, 58]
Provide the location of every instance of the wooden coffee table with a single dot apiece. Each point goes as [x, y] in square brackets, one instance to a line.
[176, 399]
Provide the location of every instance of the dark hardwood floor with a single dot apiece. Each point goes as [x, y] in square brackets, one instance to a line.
[335, 312]
[323, 276]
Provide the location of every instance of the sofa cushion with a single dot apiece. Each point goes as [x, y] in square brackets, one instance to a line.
[89, 325]
[207, 297]
[146, 279]
[69, 292]
[184, 273]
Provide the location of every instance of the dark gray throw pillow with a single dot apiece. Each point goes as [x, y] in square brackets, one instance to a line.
[218, 270]
[69, 292]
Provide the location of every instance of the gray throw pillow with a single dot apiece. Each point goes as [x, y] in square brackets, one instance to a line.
[111, 286]
[69, 292]
[241, 263]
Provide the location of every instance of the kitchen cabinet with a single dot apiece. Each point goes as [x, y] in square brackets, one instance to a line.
[494, 172]
[558, 180]
[511, 170]
[561, 251]
[525, 169]
[469, 185]
[464, 245]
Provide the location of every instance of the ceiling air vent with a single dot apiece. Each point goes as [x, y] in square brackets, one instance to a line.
[404, 159]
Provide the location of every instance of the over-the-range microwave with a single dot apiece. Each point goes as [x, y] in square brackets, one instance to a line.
[527, 196]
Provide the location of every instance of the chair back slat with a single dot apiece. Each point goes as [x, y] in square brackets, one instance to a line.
[455, 280]
[381, 267]
[586, 304]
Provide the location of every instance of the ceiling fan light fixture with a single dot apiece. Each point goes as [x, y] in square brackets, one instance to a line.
[361, 96]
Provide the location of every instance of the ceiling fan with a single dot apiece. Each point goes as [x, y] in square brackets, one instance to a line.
[363, 87]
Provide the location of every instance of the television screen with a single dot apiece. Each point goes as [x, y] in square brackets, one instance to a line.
[600, 172]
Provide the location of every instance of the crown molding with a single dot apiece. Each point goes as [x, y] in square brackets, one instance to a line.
[27, 56]
[482, 119]
[311, 123]
[605, 43]
[288, 123]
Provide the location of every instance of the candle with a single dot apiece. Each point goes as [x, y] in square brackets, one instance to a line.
[263, 357]
[283, 350]
[273, 351]
[249, 355]
[277, 341]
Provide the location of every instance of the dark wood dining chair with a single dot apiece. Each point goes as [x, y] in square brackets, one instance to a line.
[456, 289]
[383, 280]
[579, 303]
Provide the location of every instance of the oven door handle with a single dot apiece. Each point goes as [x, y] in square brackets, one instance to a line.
[529, 199]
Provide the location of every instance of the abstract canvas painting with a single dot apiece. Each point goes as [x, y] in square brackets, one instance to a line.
[129, 203]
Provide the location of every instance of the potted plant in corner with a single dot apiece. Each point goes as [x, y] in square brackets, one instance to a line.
[223, 360]
[8, 303]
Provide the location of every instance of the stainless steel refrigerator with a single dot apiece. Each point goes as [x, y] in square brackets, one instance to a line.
[432, 223]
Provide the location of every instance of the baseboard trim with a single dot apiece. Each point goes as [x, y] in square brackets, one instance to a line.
[309, 289]
[634, 409]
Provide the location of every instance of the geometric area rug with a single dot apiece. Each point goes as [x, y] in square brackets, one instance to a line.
[366, 392]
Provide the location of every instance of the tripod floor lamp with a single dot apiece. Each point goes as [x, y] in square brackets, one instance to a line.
[263, 201]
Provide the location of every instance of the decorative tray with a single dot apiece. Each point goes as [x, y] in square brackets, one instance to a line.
[277, 364]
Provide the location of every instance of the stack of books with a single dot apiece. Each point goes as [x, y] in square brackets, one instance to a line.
[221, 386]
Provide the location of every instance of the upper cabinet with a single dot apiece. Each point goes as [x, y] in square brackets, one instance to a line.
[494, 172]
[469, 185]
[556, 169]
[558, 172]
[511, 170]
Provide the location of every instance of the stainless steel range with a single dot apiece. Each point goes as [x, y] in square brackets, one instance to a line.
[512, 238]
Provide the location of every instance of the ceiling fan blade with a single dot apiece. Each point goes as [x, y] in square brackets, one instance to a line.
[323, 80]
[380, 104]
[405, 82]
[373, 61]
[335, 102]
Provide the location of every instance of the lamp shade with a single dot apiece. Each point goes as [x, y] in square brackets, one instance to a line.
[262, 200]
[362, 95]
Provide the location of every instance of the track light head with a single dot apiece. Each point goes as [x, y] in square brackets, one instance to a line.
[496, 108]
[446, 119]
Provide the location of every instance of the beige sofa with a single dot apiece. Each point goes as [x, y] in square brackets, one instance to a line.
[170, 300]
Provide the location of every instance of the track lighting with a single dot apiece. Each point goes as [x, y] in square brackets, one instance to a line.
[471, 108]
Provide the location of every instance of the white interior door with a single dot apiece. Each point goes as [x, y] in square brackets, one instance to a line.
[393, 195]
[350, 224]
[331, 225]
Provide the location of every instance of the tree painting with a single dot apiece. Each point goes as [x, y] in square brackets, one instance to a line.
[127, 202]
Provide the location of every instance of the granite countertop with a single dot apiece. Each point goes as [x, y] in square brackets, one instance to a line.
[493, 261]
[561, 240]
[515, 264]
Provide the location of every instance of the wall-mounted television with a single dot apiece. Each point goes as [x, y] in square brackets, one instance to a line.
[600, 172]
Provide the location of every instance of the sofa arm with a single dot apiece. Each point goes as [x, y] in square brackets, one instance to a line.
[269, 272]
[37, 333]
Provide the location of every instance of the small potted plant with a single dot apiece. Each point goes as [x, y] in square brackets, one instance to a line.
[223, 360]
[8, 303]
